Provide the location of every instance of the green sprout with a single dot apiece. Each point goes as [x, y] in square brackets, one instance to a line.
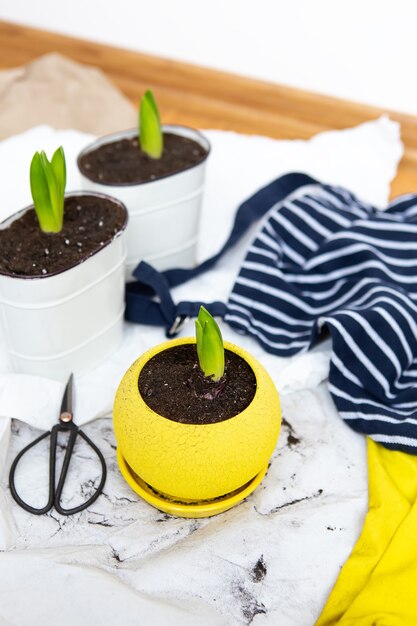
[150, 133]
[47, 184]
[210, 349]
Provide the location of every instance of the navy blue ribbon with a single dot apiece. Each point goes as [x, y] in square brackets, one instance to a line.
[141, 305]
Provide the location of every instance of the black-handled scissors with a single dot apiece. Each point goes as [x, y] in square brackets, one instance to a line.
[65, 424]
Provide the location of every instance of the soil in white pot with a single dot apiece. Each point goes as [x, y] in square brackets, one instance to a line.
[123, 161]
[172, 384]
[90, 222]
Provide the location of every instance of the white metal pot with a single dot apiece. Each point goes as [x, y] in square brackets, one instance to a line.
[69, 321]
[164, 214]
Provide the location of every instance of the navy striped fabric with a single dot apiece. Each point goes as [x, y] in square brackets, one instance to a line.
[325, 260]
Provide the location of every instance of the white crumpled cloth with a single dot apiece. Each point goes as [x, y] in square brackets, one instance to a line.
[271, 560]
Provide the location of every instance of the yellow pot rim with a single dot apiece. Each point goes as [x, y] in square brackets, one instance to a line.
[172, 343]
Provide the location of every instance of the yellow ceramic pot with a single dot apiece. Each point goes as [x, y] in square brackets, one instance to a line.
[195, 462]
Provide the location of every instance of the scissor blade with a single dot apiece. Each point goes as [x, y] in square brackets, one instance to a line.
[66, 406]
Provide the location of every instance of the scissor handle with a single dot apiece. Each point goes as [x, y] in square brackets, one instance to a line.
[54, 498]
[58, 493]
[12, 485]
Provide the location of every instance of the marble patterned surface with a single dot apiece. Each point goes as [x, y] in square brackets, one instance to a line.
[271, 560]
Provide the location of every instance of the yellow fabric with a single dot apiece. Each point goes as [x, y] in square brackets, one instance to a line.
[378, 583]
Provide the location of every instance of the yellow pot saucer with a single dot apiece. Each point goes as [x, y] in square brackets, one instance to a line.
[191, 508]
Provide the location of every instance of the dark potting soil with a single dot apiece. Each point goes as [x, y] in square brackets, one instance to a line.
[89, 223]
[172, 384]
[123, 161]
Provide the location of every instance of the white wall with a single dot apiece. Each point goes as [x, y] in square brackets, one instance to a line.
[364, 50]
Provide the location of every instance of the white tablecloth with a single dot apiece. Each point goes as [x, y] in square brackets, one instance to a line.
[271, 560]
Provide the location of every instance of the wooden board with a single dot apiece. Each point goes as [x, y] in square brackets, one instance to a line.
[210, 99]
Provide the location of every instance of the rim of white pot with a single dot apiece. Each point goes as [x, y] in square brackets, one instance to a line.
[198, 136]
[9, 220]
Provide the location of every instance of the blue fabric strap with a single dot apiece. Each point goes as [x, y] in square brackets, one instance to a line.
[141, 307]
[162, 312]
